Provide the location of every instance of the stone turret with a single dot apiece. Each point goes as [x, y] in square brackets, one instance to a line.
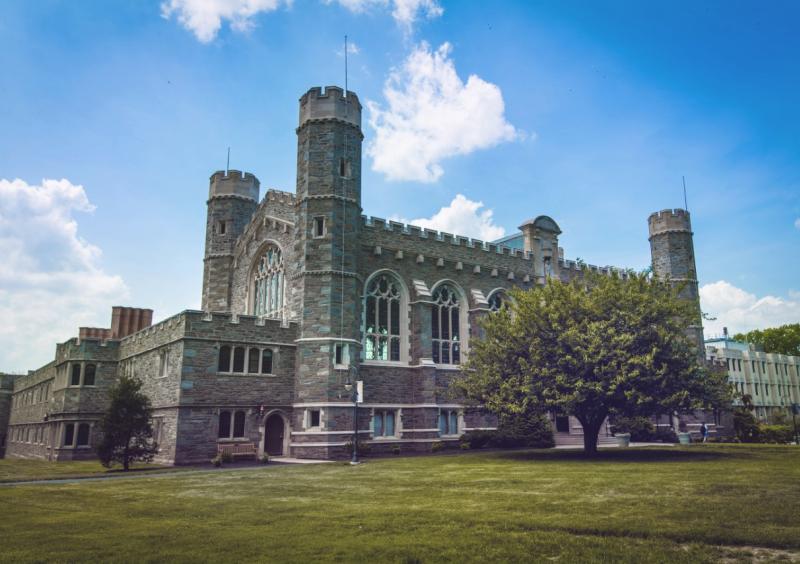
[540, 238]
[672, 252]
[328, 225]
[232, 200]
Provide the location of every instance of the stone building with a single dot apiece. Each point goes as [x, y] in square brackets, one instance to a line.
[301, 294]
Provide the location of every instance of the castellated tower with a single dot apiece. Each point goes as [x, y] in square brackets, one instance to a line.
[232, 200]
[672, 252]
[327, 228]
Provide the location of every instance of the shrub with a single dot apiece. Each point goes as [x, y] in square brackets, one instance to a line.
[665, 435]
[775, 434]
[264, 458]
[745, 426]
[226, 457]
[477, 439]
[395, 450]
[640, 428]
[437, 446]
[529, 430]
[217, 461]
[465, 446]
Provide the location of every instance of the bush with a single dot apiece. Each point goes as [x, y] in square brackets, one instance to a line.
[775, 434]
[264, 458]
[217, 461]
[437, 446]
[363, 448]
[465, 446]
[395, 450]
[528, 430]
[226, 457]
[745, 425]
[640, 428]
[477, 439]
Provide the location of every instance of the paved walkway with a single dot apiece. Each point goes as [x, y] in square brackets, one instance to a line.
[615, 445]
[277, 461]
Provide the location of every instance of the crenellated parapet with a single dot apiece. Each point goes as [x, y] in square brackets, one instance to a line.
[330, 104]
[669, 221]
[234, 183]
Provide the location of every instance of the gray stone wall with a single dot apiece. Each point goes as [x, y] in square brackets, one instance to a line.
[6, 391]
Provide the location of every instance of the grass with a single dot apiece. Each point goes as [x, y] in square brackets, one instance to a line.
[696, 504]
[22, 470]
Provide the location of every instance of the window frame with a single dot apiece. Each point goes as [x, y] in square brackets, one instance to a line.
[402, 319]
[462, 305]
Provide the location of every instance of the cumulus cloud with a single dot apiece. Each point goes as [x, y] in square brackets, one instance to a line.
[51, 281]
[741, 311]
[461, 217]
[431, 114]
[405, 12]
[204, 17]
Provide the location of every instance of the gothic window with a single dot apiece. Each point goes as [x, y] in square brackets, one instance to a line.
[269, 284]
[75, 380]
[88, 375]
[238, 424]
[83, 434]
[253, 355]
[266, 361]
[497, 300]
[382, 327]
[224, 358]
[69, 434]
[446, 325]
[238, 359]
[224, 425]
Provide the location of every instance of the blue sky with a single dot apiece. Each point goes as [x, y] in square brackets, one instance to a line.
[589, 112]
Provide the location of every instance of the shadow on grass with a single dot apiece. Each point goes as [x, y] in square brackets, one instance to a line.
[638, 455]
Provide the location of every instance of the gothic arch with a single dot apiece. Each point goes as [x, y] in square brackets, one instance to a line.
[439, 305]
[378, 343]
[259, 300]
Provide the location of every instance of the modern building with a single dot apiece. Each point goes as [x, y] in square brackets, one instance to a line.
[301, 294]
[771, 380]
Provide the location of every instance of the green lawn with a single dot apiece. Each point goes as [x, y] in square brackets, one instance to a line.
[702, 503]
[20, 470]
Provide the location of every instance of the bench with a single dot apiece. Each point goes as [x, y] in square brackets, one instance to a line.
[237, 449]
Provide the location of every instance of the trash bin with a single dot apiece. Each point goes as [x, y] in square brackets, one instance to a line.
[684, 438]
[623, 439]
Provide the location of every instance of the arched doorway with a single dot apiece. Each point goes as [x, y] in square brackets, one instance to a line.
[274, 430]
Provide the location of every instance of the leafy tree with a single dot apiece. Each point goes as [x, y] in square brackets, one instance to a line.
[126, 430]
[594, 347]
[783, 340]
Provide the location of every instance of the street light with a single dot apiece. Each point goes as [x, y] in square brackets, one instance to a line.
[351, 385]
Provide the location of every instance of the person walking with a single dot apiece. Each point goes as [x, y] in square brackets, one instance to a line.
[704, 431]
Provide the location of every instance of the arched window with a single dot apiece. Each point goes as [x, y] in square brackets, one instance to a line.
[268, 284]
[497, 300]
[88, 375]
[238, 359]
[224, 359]
[69, 434]
[382, 327]
[238, 425]
[446, 325]
[253, 355]
[83, 434]
[266, 361]
[224, 425]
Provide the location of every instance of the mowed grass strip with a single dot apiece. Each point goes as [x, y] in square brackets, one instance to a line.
[643, 505]
[23, 470]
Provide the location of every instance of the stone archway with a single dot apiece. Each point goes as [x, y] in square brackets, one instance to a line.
[274, 434]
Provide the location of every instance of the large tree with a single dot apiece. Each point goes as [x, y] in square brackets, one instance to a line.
[597, 346]
[784, 339]
[127, 433]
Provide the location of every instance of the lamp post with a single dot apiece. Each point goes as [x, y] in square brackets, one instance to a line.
[351, 385]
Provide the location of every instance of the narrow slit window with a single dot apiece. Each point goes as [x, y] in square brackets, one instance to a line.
[266, 361]
[224, 359]
[319, 227]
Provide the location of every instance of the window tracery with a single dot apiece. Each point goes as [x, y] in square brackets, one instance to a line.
[382, 327]
[269, 284]
[446, 325]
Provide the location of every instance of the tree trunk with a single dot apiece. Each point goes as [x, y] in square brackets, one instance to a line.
[591, 427]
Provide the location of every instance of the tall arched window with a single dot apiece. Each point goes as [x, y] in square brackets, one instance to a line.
[268, 284]
[382, 326]
[446, 325]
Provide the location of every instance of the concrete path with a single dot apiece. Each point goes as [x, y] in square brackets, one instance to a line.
[614, 445]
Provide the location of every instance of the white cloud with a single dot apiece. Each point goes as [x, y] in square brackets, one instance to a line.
[204, 17]
[352, 49]
[51, 281]
[405, 12]
[741, 311]
[461, 217]
[431, 115]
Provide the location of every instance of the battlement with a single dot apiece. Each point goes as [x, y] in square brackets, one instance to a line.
[330, 104]
[669, 220]
[280, 196]
[235, 183]
[441, 236]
